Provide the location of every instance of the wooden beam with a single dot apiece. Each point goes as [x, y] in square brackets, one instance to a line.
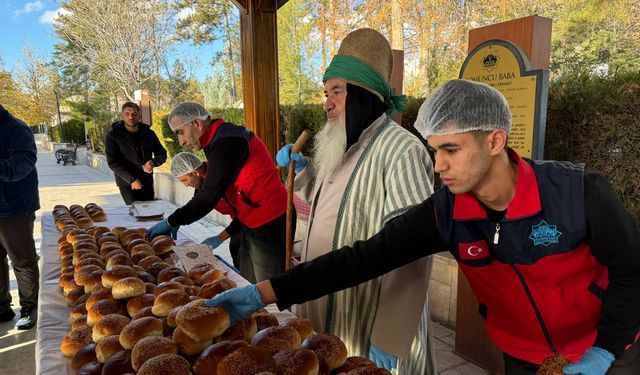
[259, 40]
[241, 5]
[397, 75]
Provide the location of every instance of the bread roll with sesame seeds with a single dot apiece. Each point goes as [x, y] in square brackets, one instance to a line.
[202, 323]
[165, 364]
[329, 348]
[150, 347]
[247, 360]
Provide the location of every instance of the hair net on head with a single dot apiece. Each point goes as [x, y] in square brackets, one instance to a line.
[184, 163]
[460, 106]
[187, 111]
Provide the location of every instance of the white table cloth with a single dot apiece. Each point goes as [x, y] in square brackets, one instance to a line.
[53, 311]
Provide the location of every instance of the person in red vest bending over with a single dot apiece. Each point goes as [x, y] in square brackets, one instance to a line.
[240, 173]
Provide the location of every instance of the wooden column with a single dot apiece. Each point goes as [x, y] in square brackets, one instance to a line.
[258, 33]
[533, 35]
[397, 49]
[142, 97]
[397, 75]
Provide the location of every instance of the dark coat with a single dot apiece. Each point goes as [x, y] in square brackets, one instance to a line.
[18, 174]
[123, 159]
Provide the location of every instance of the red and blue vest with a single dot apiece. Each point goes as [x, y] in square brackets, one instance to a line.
[540, 262]
[257, 196]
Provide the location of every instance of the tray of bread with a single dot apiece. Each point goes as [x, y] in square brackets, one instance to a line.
[146, 210]
[195, 255]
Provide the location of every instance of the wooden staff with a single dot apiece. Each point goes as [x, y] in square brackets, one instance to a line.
[300, 142]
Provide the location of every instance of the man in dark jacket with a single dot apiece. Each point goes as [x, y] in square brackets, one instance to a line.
[133, 150]
[18, 202]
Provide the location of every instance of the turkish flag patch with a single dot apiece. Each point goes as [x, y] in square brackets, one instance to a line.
[473, 250]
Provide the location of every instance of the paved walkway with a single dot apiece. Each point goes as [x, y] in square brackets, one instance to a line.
[80, 185]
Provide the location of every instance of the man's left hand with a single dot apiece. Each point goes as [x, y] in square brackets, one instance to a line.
[148, 166]
[595, 361]
[162, 227]
[382, 358]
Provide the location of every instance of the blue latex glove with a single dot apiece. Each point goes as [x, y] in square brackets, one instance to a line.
[239, 302]
[162, 227]
[595, 361]
[214, 242]
[382, 358]
[284, 157]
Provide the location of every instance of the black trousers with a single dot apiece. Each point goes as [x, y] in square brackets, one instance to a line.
[235, 245]
[262, 252]
[16, 243]
[129, 195]
[627, 364]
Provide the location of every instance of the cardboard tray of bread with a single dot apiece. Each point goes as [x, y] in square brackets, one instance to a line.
[191, 256]
[145, 210]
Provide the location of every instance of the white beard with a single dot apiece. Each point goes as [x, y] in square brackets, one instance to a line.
[330, 146]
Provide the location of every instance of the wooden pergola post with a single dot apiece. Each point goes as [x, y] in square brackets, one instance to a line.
[259, 41]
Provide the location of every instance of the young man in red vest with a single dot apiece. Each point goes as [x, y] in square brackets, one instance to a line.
[241, 174]
[548, 249]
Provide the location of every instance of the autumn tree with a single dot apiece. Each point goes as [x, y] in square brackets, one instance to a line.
[13, 99]
[207, 21]
[589, 37]
[297, 49]
[36, 79]
[182, 87]
[122, 42]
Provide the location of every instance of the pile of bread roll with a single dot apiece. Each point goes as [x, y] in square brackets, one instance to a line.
[77, 216]
[132, 311]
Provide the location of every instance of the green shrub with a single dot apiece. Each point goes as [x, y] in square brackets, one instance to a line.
[166, 136]
[54, 133]
[295, 118]
[232, 115]
[73, 131]
[410, 114]
[97, 136]
[596, 120]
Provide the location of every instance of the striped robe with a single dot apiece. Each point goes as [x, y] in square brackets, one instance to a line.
[393, 173]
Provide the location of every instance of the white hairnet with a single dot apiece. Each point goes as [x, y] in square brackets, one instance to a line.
[184, 163]
[460, 106]
[186, 112]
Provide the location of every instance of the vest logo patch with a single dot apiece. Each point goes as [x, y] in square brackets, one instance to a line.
[473, 250]
[544, 234]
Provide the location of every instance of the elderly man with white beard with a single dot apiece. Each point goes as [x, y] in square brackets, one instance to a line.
[366, 170]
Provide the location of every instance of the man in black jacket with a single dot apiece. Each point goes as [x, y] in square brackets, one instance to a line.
[133, 150]
[19, 200]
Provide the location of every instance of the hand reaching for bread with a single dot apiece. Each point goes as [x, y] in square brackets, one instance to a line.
[239, 302]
